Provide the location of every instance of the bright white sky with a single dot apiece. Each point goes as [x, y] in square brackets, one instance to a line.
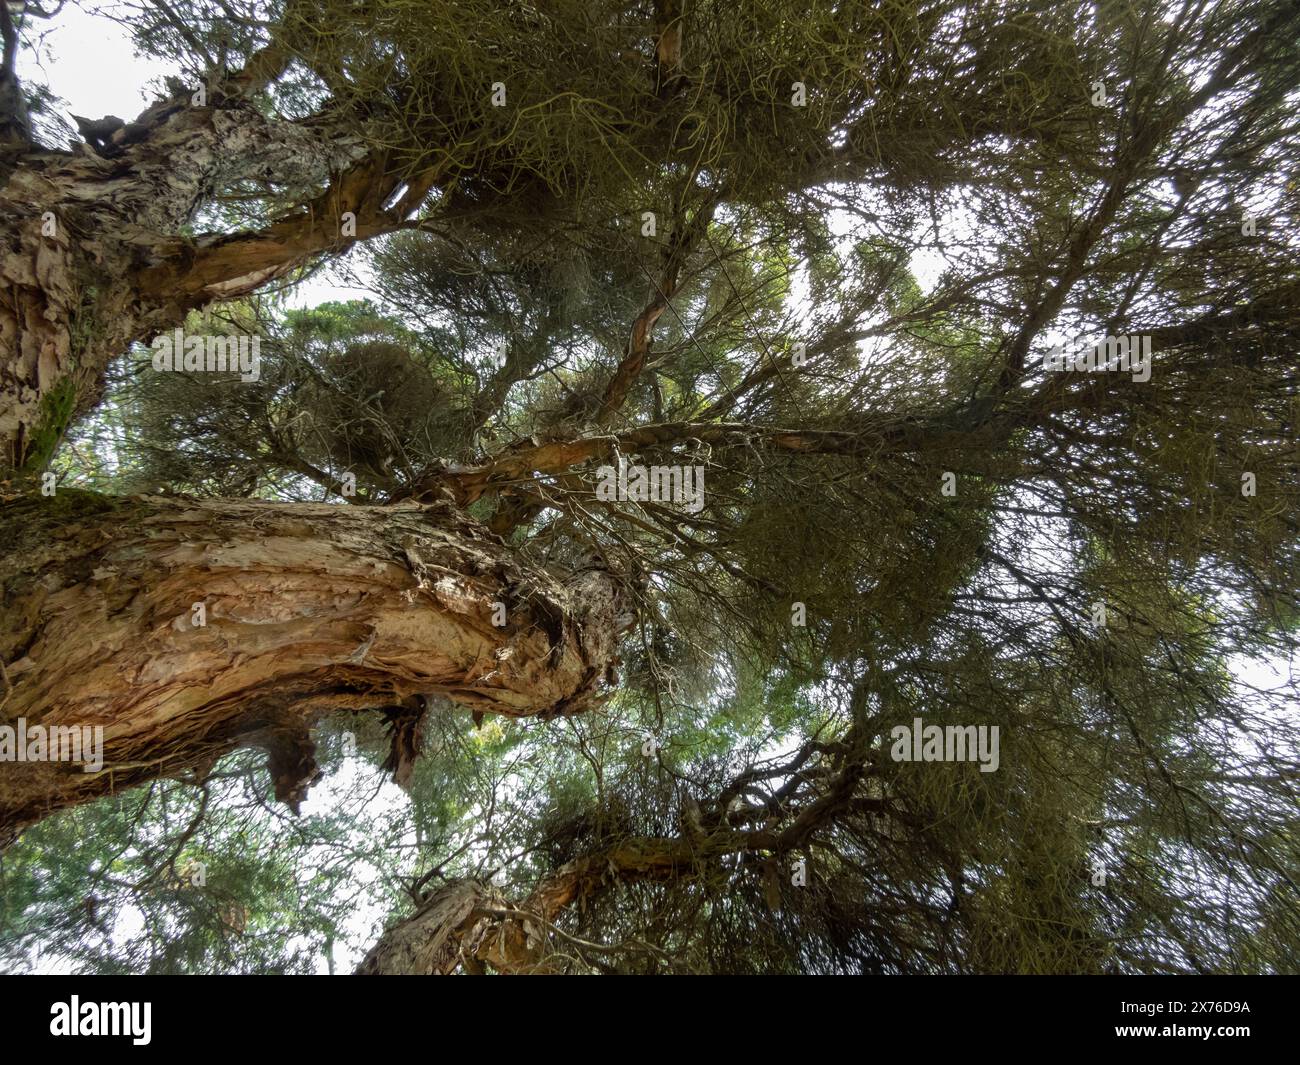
[91, 63]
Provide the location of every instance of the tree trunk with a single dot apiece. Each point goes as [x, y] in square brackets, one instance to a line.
[305, 609]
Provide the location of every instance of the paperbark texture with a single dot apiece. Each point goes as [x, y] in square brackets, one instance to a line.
[307, 609]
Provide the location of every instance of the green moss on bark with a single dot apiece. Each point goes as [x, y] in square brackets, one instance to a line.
[57, 408]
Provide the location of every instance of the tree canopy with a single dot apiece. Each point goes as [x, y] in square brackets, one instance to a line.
[817, 256]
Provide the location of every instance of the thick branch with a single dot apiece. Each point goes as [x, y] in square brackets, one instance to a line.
[306, 608]
[470, 924]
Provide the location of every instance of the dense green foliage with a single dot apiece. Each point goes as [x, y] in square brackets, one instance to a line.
[949, 204]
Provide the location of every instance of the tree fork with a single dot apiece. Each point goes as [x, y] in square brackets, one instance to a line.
[94, 258]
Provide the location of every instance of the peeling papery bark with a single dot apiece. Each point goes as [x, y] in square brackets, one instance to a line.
[446, 932]
[306, 609]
